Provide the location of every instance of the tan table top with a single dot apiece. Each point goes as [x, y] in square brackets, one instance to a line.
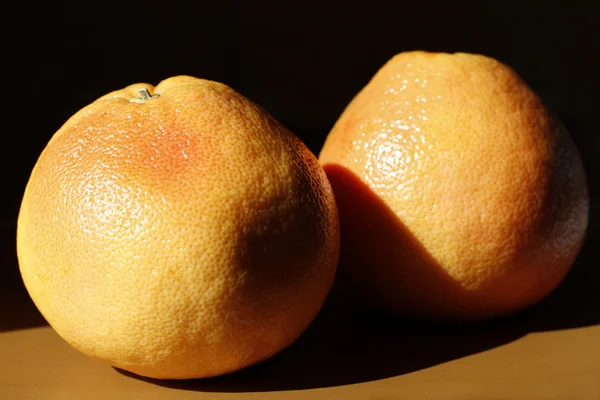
[551, 351]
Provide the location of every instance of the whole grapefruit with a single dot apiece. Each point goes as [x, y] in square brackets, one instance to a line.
[461, 196]
[177, 231]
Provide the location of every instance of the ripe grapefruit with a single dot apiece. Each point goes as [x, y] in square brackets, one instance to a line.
[460, 195]
[177, 231]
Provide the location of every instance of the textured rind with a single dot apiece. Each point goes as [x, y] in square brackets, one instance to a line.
[484, 190]
[188, 236]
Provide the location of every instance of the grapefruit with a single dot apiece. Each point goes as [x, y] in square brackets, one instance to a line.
[461, 196]
[177, 231]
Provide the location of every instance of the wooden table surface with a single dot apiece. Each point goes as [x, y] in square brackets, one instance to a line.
[550, 351]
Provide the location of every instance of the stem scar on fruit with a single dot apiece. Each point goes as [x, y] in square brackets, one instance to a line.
[144, 96]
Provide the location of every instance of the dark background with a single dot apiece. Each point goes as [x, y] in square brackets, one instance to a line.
[303, 62]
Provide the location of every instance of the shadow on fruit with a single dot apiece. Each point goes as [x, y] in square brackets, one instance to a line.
[353, 341]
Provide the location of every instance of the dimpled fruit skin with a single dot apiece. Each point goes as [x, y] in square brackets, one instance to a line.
[479, 193]
[185, 237]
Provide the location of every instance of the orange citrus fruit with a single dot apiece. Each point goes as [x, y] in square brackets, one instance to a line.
[177, 231]
[460, 195]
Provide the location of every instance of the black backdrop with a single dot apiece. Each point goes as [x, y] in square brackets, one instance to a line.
[302, 61]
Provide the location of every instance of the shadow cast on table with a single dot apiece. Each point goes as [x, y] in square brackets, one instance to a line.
[347, 345]
[351, 342]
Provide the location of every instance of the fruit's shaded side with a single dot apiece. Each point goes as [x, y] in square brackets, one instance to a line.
[186, 236]
[479, 193]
